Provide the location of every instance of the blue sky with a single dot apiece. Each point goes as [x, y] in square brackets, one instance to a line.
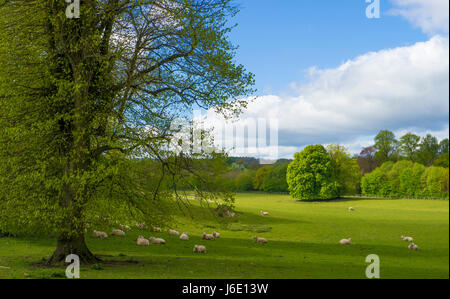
[279, 40]
[328, 74]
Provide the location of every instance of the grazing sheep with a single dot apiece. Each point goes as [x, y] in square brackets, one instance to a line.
[208, 237]
[101, 235]
[260, 240]
[157, 230]
[351, 209]
[264, 213]
[228, 214]
[413, 247]
[141, 241]
[184, 237]
[118, 232]
[407, 239]
[345, 241]
[172, 232]
[216, 235]
[199, 249]
[125, 227]
[140, 225]
[157, 240]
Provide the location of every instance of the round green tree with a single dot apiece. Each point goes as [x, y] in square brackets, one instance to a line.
[310, 175]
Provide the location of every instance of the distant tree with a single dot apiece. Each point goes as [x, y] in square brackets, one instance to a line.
[409, 146]
[443, 160]
[429, 150]
[444, 146]
[310, 175]
[386, 146]
[367, 161]
[410, 180]
[275, 180]
[345, 169]
[244, 182]
[435, 182]
[260, 176]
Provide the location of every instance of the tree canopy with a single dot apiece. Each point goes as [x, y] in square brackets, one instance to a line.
[81, 98]
[310, 175]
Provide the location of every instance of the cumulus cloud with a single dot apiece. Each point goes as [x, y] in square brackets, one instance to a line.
[396, 89]
[432, 16]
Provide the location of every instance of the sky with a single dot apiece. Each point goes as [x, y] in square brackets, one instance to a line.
[329, 74]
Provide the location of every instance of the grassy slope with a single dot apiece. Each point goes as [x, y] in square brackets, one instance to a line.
[303, 243]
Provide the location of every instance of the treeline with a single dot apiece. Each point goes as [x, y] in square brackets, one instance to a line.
[407, 179]
[266, 178]
[408, 167]
[426, 151]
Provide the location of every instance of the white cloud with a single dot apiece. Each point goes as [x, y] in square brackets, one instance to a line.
[432, 16]
[396, 89]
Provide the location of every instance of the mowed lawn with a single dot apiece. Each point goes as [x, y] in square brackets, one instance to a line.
[303, 243]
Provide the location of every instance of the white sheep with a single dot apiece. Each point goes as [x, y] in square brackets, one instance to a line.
[172, 232]
[260, 240]
[118, 232]
[199, 249]
[264, 213]
[101, 235]
[413, 247]
[184, 237]
[351, 209]
[345, 241]
[141, 241]
[208, 237]
[140, 225]
[125, 227]
[157, 240]
[216, 235]
[407, 239]
[157, 230]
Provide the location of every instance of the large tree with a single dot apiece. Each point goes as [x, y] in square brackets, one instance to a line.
[81, 97]
[310, 175]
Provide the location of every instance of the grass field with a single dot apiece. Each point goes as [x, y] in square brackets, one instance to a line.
[303, 243]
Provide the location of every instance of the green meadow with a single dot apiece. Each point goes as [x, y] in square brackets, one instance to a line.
[303, 242]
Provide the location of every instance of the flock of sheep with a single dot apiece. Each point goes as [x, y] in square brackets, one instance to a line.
[411, 246]
[141, 241]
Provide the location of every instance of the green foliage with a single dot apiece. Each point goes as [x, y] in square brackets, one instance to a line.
[386, 146]
[244, 182]
[310, 175]
[275, 181]
[435, 182]
[406, 179]
[408, 146]
[260, 176]
[79, 101]
[429, 150]
[346, 170]
[442, 161]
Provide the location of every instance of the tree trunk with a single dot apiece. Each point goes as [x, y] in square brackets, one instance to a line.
[74, 245]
